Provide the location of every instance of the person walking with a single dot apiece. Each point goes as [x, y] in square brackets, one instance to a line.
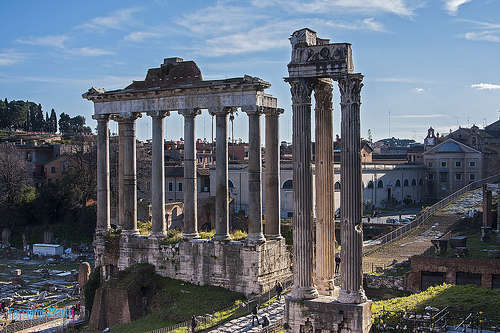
[279, 290]
[194, 323]
[254, 315]
[337, 263]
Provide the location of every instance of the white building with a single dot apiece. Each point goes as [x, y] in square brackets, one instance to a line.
[48, 249]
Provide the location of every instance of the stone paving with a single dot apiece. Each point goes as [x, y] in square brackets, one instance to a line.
[244, 324]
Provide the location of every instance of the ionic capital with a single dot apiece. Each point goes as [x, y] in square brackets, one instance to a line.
[158, 114]
[350, 89]
[301, 90]
[100, 117]
[252, 109]
[221, 111]
[274, 112]
[190, 112]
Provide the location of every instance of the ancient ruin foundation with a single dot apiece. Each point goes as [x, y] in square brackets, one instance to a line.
[315, 303]
[251, 266]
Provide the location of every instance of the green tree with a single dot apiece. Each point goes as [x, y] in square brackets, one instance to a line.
[53, 121]
[64, 123]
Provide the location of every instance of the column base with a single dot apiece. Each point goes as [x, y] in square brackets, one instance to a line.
[222, 238]
[130, 232]
[327, 288]
[189, 237]
[324, 314]
[256, 238]
[274, 237]
[352, 297]
[304, 292]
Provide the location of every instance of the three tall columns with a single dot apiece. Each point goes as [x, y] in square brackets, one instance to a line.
[351, 228]
[190, 188]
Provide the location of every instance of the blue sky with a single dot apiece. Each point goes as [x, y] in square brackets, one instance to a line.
[427, 62]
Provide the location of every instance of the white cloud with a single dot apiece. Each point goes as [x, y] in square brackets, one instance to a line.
[486, 86]
[89, 52]
[452, 6]
[419, 90]
[116, 20]
[108, 81]
[486, 36]
[140, 36]
[397, 7]
[55, 41]
[10, 57]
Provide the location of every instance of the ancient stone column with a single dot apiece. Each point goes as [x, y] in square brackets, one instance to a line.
[190, 189]
[103, 201]
[129, 223]
[158, 174]
[351, 232]
[303, 287]
[121, 153]
[487, 223]
[325, 210]
[498, 213]
[272, 180]
[221, 183]
[254, 176]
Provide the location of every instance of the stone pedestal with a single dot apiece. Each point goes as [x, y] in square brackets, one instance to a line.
[325, 315]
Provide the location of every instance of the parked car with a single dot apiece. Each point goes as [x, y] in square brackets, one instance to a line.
[392, 221]
[404, 220]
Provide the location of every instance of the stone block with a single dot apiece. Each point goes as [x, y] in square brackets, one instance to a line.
[324, 314]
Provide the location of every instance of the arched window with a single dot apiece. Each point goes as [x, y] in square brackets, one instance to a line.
[406, 183]
[337, 186]
[398, 183]
[413, 182]
[420, 182]
[380, 184]
[288, 185]
[370, 184]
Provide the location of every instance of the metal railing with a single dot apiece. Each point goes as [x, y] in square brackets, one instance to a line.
[426, 214]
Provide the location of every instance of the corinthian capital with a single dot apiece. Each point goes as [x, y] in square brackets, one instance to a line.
[323, 94]
[301, 90]
[350, 89]
[190, 112]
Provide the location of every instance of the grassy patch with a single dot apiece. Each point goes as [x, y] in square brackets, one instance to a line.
[173, 236]
[458, 298]
[144, 227]
[174, 301]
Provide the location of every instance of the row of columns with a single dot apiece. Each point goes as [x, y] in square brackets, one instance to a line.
[314, 271]
[127, 183]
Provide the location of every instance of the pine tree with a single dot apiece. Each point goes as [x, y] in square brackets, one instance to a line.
[46, 123]
[53, 121]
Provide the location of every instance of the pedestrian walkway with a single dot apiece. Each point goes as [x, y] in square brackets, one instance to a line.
[244, 324]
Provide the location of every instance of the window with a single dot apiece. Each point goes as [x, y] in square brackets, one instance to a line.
[458, 176]
[170, 186]
[472, 164]
[458, 164]
[53, 169]
[179, 187]
[443, 177]
[414, 182]
[406, 183]
[288, 185]
[398, 183]
[337, 186]
[370, 184]
[472, 176]
[443, 164]
[380, 184]
[429, 164]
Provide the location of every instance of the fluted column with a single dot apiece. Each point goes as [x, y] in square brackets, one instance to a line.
[325, 210]
[221, 183]
[302, 190]
[129, 223]
[255, 233]
[121, 153]
[190, 189]
[158, 174]
[103, 201]
[272, 180]
[350, 192]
